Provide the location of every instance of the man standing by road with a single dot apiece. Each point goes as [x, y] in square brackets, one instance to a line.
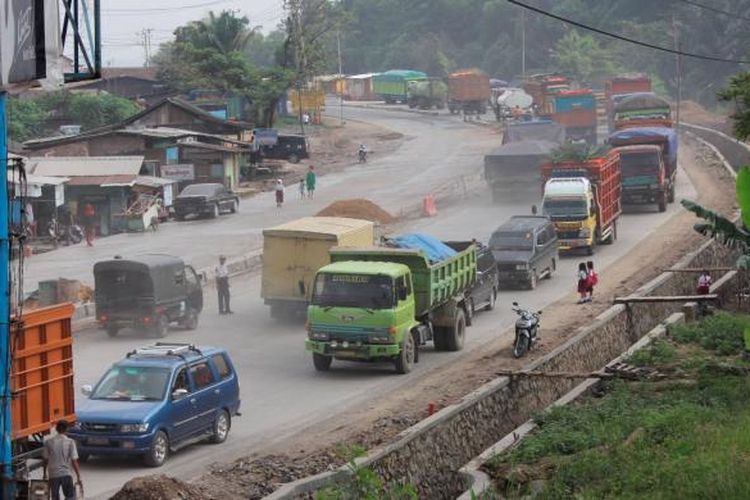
[60, 461]
[89, 222]
[222, 285]
[310, 181]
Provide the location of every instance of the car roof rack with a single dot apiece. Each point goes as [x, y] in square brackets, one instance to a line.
[166, 349]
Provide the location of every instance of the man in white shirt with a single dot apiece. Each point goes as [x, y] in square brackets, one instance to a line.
[222, 285]
[60, 462]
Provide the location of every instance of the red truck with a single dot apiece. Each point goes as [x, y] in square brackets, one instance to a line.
[648, 159]
[468, 91]
[575, 110]
[582, 198]
[42, 378]
[543, 89]
[621, 85]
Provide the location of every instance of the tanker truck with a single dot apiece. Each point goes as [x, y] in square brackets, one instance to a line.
[428, 93]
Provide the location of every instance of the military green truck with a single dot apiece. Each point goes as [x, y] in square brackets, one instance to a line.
[380, 304]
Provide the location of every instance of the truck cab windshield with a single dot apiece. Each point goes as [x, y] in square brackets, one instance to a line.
[636, 164]
[132, 383]
[353, 290]
[570, 207]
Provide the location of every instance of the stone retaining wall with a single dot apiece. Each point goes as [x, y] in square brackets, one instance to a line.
[430, 454]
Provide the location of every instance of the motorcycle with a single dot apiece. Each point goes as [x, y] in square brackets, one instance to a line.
[527, 330]
[362, 156]
[72, 234]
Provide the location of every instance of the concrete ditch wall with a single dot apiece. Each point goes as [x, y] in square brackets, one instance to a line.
[430, 453]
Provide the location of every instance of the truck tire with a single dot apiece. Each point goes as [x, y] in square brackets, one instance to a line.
[440, 338]
[322, 363]
[405, 360]
[457, 333]
[235, 207]
[671, 196]
[662, 203]
[215, 211]
[532, 280]
[493, 300]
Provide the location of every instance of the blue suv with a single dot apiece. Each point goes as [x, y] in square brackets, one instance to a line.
[158, 399]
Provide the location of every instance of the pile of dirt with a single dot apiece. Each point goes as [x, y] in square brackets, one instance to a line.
[160, 488]
[357, 209]
[692, 112]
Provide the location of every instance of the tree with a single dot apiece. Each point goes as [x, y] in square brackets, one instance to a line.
[582, 57]
[738, 93]
[226, 32]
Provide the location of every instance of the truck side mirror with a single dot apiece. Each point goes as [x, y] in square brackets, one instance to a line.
[86, 390]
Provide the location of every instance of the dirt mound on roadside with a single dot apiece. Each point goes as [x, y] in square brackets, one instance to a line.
[160, 488]
[692, 112]
[357, 209]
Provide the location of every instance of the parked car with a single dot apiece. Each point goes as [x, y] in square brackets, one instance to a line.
[292, 148]
[147, 292]
[157, 400]
[525, 249]
[205, 199]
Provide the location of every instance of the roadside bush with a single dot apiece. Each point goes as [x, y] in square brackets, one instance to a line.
[658, 352]
[722, 333]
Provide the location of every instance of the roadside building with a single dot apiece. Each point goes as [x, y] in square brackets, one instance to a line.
[359, 87]
[136, 83]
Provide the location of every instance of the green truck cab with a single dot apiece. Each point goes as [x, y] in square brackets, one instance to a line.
[380, 304]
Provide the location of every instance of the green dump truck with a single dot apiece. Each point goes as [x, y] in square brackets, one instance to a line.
[381, 304]
[425, 94]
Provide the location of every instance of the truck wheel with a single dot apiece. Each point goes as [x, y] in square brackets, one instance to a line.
[439, 338]
[532, 280]
[662, 203]
[458, 332]
[405, 360]
[161, 326]
[235, 207]
[322, 363]
[214, 211]
[671, 195]
[159, 450]
[112, 330]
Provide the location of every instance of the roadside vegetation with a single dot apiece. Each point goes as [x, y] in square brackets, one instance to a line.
[683, 435]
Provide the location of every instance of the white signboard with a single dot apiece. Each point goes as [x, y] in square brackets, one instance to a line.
[178, 172]
[29, 40]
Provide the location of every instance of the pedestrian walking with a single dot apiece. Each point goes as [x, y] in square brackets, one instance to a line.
[60, 457]
[302, 189]
[704, 283]
[583, 287]
[279, 188]
[310, 180]
[222, 285]
[89, 222]
[592, 279]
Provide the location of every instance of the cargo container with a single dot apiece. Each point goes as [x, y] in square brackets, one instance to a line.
[468, 91]
[42, 383]
[583, 200]
[382, 303]
[576, 111]
[293, 253]
[391, 86]
[643, 109]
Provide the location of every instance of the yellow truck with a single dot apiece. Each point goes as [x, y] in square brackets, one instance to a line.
[293, 253]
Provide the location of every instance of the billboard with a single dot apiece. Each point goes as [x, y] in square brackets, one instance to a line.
[29, 39]
[178, 172]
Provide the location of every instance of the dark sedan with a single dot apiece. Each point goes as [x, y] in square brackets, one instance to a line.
[210, 199]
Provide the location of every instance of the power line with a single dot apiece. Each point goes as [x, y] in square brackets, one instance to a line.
[716, 10]
[164, 9]
[627, 39]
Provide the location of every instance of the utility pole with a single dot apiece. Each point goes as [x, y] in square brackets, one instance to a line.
[145, 34]
[6, 446]
[523, 43]
[341, 79]
[294, 26]
[678, 61]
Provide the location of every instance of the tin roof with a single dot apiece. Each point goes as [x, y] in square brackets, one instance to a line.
[85, 166]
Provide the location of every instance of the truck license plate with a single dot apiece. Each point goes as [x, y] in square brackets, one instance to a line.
[98, 441]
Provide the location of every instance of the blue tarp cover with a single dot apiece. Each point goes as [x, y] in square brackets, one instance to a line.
[435, 249]
[628, 134]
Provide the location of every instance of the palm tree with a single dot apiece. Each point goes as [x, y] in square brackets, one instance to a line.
[225, 32]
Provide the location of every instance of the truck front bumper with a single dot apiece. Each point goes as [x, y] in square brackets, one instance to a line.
[572, 244]
[640, 195]
[355, 351]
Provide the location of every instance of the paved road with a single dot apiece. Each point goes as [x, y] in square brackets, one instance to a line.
[436, 152]
[281, 391]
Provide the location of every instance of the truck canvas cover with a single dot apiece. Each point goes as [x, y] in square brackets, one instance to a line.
[434, 249]
[544, 130]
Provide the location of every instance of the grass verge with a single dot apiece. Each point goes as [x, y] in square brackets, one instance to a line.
[686, 435]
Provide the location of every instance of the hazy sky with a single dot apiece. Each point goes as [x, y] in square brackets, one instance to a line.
[123, 20]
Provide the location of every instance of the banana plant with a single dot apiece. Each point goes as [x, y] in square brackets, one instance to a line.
[724, 230]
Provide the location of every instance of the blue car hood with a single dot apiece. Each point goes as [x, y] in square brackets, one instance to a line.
[115, 412]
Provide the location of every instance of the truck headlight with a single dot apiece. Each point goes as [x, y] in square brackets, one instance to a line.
[134, 428]
[380, 339]
[319, 336]
[521, 267]
[584, 233]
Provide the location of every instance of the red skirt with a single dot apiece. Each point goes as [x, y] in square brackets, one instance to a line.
[583, 286]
